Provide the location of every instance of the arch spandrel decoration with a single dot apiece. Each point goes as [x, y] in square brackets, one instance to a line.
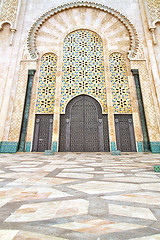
[153, 16]
[47, 80]
[83, 68]
[8, 13]
[31, 41]
[154, 10]
[119, 84]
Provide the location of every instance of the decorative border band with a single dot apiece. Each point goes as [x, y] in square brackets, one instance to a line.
[8, 147]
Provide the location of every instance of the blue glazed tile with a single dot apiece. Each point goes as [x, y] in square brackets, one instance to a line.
[70, 90]
[28, 147]
[140, 146]
[113, 146]
[155, 147]
[54, 146]
[8, 147]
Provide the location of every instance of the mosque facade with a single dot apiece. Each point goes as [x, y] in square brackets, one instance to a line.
[80, 76]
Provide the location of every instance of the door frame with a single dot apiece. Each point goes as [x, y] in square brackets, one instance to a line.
[36, 132]
[131, 131]
[100, 124]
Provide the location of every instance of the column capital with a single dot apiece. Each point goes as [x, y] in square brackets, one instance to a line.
[135, 71]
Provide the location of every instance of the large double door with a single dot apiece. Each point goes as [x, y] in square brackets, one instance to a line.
[84, 128]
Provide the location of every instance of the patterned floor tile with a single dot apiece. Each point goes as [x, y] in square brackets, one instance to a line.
[79, 196]
[23, 235]
[153, 237]
[99, 226]
[96, 187]
[75, 175]
[8, 234]
[133, 179]
[136, 212]
[138, 197]
[49, 210]
[150, 186]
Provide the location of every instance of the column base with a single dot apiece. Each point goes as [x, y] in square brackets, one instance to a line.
[140, 146]
[113, 146]
[157, 168]
[54, 147]
[155, 147]
[8, 147]
[48, 152]
[115, 153]
[28, 147]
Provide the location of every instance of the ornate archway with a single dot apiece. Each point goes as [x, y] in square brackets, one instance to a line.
[71, 22]
[84, 128]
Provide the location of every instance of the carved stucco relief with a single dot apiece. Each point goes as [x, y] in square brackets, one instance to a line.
[9, 11]
[134, 40]
[153, 15]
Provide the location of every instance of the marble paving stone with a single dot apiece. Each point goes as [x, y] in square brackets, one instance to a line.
[42, 193]
[153, 237]
[147, 175]
[150, 186]
[99, 226]
[40, 181]
[7, 234]
[78, 170]
[96, 187]
[138, 197]
[25, 169]
[136, 212]
[23, 235]
[111, 175]
[75, 175]
[133, 179]
[48, 210]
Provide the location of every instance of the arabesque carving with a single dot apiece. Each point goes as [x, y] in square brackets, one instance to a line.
[9, 14]
[153, 15]
[154, 9]
[31, 41]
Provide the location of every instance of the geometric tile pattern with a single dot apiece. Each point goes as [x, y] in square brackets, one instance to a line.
[47, 80]
[148, 102]
[58, 209]
[157, 168]
[32, 112]
[17, 113]
[8, 147]
[98, 225]
[155, 147]
[83, 68]
[87, 196]
[154, 9]
[9, 11]
[136, 212]
[119, 84]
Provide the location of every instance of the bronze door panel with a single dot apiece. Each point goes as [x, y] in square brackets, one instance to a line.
[83, 128]
[43, 132]
[125, 133]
